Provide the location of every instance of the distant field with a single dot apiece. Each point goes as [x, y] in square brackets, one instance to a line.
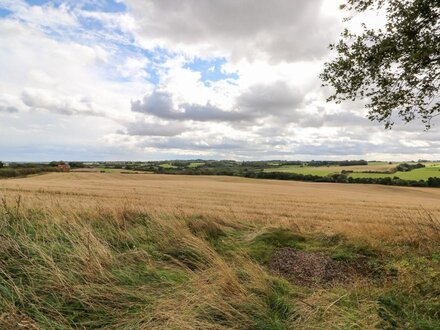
[362, 171]
[147, 251]
[167, 166]
[417, 174]
[326, 170]
[196, 164]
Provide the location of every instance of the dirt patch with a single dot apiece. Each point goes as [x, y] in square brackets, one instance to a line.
[316, 269]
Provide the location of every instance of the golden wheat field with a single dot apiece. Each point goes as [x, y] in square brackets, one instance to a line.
[332, 208]
[147, 251]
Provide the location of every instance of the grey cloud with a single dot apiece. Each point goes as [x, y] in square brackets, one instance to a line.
[209, 112]
[341, 119]
[160, 104]
[8, 109]
[271, 99]
[259, 101]
[209, 143]
[43, 100]
[149, 129]
[279, 30]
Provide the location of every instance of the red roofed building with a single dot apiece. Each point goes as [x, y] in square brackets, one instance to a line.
[64, 167]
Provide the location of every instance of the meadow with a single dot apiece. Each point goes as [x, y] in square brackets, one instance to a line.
[364, 171]
[327, 170]
[416, 174]
[149, 251]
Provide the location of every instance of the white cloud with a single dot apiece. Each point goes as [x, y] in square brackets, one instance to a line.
[42, 16]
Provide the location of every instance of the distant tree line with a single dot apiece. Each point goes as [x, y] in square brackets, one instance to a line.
[11, 172]
[337, 163]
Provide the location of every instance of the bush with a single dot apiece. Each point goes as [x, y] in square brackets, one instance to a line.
[433, 182]
[24, 171]
[405, 167]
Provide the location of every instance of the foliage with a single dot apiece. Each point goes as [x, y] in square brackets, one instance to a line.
[56, 163]
[76, 164]
[24, 171]
[405, 167]
[337, 163]
[395, 69]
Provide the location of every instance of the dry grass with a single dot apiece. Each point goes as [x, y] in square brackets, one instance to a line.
[108, 250]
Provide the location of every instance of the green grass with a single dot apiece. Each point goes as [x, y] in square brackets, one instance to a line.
[431, 170]
[417, 174]
[196, 164]
[167, 165]
[321, 171]
[264, 245]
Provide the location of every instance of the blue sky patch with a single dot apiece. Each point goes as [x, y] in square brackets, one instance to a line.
[109, 6]
[210, 70]
[4, 12]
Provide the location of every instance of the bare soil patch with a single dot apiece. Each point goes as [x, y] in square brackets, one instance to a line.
[316, 269]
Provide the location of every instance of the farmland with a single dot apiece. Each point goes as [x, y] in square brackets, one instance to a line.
[326, 170]
[421, 174]
[150, 251]
[372, 170]
[431, 170]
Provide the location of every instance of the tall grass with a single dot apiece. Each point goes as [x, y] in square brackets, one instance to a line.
[124, 269]
[78, 259]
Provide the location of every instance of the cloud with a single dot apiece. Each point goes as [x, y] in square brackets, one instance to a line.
[8, 109]
[273, 99]
[142, 128]
[259, 101]
[44, 99]
[280, 30]
[160, 104]
[46, 15]
[10, 104]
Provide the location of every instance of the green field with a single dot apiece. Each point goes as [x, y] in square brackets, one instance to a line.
[319, 170]
[167, 166]
[196, 164]
[363, 171]
[417, 174]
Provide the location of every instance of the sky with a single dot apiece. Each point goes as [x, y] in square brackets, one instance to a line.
[183, 79]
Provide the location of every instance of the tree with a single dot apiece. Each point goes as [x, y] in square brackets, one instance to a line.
[1, 164]
[396, 69]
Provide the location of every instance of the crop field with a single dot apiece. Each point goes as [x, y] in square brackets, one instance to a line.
[149, 251]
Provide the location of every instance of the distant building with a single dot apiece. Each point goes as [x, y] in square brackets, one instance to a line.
[64, 167]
